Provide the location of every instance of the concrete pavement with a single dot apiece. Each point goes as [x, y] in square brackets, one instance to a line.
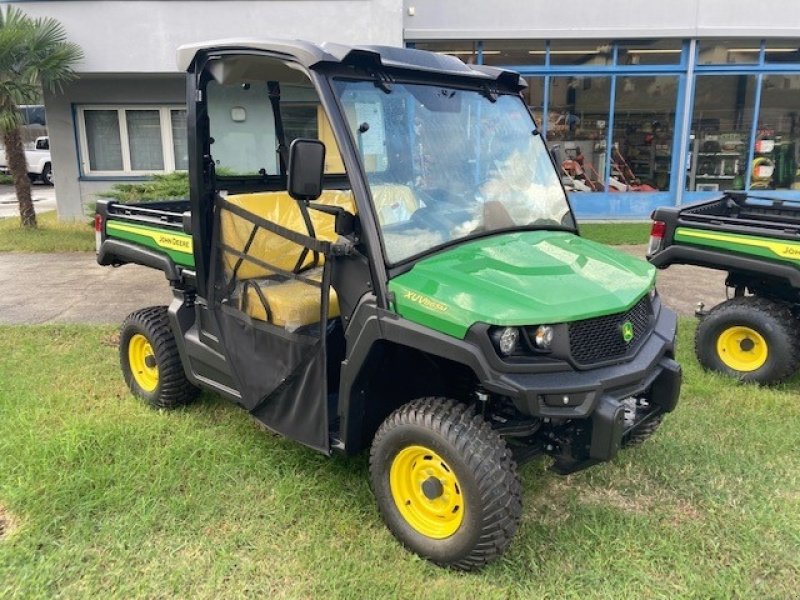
[681, 286]
[73, 288]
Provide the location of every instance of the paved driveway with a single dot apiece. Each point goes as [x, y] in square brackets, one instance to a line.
[73, 288]
[682, 287]
[44, 199]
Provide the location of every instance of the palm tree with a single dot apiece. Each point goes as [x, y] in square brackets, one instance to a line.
[34, 55]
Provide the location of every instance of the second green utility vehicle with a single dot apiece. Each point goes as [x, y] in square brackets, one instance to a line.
[378, 253]
[755, 334]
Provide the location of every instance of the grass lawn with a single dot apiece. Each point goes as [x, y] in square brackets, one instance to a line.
[104, 497]
[51, 235]
[616, 234]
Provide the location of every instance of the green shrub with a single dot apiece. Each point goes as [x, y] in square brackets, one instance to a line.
[171, 186]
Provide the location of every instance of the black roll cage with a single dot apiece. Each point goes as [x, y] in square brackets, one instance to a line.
[203, 179]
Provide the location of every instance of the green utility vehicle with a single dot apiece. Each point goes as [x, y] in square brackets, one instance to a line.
[755, 334]
[378, 253]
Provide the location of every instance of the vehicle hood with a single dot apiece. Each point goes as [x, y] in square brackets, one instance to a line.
[520, 278]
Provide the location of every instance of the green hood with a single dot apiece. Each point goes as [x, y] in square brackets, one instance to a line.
[524, 278]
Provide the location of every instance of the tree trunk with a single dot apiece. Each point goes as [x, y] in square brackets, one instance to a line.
[18, 165]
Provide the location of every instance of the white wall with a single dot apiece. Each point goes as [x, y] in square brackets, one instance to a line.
[127, 36]
[498, 19]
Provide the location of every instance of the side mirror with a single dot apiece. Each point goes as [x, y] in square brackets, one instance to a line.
[306, 167]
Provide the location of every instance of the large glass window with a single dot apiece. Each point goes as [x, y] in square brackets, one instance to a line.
[243, 129]
[649, 52]
[582, 53]
[782, 51]
[534, 97]
[721, 125]
[724, 52]
[466, 51]
[775, 155]
[299, 120]
[33, 114]
[513, 52]
[577, 123]
[103, 138]
[644, 118]
[242, 125]
[179, 142]
[144, 140]
[120, 140]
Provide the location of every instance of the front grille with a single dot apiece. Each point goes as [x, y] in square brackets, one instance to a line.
[601, 339]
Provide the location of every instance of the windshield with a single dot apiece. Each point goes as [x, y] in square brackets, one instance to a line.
[445, 164]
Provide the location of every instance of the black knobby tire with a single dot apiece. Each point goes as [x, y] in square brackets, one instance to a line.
[47, 174]
[642, 432]
[771, 319]
[482, 464]
[173, 388]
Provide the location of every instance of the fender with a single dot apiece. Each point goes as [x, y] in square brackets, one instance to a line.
[118, 252]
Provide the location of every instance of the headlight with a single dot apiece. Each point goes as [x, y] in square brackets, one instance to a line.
[506, 339]
[543, 337]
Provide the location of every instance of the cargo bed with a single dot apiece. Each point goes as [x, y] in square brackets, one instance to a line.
[154, 234]
[755, 239]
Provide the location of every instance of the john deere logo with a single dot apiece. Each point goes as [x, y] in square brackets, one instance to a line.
[627, 332]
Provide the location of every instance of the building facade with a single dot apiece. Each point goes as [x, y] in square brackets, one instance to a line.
[644, 104]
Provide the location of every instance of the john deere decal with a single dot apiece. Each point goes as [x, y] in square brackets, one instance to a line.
[627, 332]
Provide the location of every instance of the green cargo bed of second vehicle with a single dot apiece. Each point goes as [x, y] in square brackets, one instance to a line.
[755, 240]
[760, 246]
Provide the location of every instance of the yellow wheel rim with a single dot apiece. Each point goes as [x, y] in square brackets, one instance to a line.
[426, 491]
[142, 361]
[742, 349]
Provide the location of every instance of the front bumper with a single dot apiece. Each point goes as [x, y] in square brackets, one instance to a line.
[591, 405]
[574, 394]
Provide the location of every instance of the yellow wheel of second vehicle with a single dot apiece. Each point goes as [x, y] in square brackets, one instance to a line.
[742, 348]
[426, 491]
[142, 360]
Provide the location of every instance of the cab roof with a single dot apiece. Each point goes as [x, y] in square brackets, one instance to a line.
[310, 55]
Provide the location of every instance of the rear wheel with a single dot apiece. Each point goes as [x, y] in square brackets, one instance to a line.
[150, 361]
[445, 483]
[750, 338]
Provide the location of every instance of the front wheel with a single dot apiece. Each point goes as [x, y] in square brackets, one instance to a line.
[643, 432]
[750, 338]
[445, 483]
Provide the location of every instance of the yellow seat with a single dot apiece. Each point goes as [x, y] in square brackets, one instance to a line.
[394, 203]
[292, 303]
[268, 247]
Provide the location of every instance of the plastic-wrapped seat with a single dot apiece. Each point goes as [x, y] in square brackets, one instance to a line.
[265, 293]
[260, 287]
[290, 304]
